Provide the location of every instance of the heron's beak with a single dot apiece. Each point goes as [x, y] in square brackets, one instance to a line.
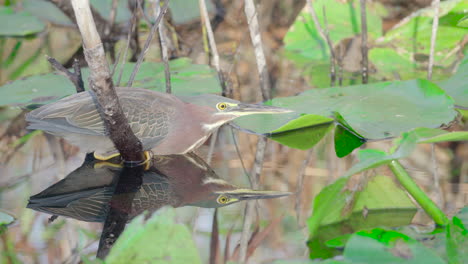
[250, 109]
[247, 194]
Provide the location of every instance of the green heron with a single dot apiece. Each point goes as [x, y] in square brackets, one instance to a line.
[164, 123]
[174, 180]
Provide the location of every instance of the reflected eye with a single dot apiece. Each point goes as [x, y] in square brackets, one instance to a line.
[223, 199]
[221, 106]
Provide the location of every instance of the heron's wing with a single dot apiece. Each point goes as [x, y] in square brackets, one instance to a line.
[148, 114]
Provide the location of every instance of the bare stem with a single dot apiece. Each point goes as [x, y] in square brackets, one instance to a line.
[364, 49]
[74, 77]
[300, 185]
[323, 32]
[255, 36]
[164, 50]
[147, 43]
[212, 42]
[435, 25]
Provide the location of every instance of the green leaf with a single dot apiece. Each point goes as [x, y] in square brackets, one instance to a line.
[457, 85]
[159, 240]
[183, 11]
[371, 158]
[328, 205]
[47, 11]
[457, 238]
[303, 132]
[346, 139]
[387, 246]
[187, 79]
[18, 24]
[5, 218]
[104, 8]
[463, 22]
[374, 111]
[336, 203]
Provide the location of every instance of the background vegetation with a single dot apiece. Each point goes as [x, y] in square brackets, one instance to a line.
[379, 171]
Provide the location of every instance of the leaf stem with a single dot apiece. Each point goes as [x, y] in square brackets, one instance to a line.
[419, 195]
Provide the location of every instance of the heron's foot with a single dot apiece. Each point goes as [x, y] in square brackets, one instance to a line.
[106, 156]
[147, 162]
[107, 164]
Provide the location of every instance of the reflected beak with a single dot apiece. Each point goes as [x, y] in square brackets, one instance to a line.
[250, 109]
[247, 194]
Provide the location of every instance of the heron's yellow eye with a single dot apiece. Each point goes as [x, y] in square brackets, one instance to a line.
[223, 199]
[221, 106]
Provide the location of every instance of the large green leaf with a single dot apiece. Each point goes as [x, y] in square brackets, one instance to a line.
[457, 85]
[18, 24]
[336, 202]
[386, 246]
[46, 11]
[303, 132]
[186, 78]
[374, 111]
[370, 158]
[104, 8]
[159, 240]
[340, 209]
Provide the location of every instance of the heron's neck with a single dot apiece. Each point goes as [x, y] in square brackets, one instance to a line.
[207, 119]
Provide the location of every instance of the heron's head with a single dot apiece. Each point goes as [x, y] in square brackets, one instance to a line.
[221, 193]
[222, 109]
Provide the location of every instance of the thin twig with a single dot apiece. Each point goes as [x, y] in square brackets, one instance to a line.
[435, 174]
[147, 43]
[364, 49]
[212, 42]
[255, 36]
[214, 239]
[214, 137]
[164, 51]
[324, 34]
[435, 25]
[300, 185]
[74, 77]
[265, 89]
[236, 145]
[133, 27]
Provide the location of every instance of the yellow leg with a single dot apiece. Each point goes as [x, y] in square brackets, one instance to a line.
[147, 161]
[99, 165]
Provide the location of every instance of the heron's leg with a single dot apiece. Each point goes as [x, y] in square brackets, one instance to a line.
[103, 156]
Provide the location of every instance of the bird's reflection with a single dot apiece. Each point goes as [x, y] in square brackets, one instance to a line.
[174, 180]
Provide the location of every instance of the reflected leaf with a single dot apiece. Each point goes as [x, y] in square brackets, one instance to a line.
[386, 246]
[158, 240]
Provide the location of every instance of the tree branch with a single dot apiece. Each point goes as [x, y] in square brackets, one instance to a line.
[101, 84]
[74, 77]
